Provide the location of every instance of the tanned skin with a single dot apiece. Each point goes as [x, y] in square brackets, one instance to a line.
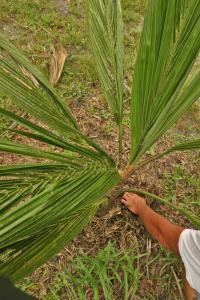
[160, 229]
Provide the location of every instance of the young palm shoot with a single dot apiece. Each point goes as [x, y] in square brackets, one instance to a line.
[106, 35]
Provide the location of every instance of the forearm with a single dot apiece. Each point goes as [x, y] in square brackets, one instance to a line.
[161, 229]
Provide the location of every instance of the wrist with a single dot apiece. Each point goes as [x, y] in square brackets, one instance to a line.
[142, 209]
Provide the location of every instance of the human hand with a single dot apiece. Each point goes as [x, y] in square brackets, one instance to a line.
[134, 202]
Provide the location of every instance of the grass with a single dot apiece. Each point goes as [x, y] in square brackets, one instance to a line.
[150, 268]
[35, 36]
[109, 275]
[183, 186]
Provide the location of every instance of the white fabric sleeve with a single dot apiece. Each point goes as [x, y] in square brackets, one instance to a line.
[189, 248]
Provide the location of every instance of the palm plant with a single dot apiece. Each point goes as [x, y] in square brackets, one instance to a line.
[45, 204]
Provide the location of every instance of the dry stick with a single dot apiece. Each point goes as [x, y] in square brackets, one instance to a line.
[178, 284]
[148, 255]
[35, 82]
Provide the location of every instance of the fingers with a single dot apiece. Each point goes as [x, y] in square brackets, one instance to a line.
[126, 196]
[132, 197]
[123, 201]
[129, 196]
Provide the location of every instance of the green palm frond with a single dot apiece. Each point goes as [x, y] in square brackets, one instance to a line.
[23, 83]
[168, 49]
[33, 80]
[29, 169]
[105, 25]
[72, 142]
[46, 209]
[181, 7]
[189, 145]
[44, 204]
[36, 250]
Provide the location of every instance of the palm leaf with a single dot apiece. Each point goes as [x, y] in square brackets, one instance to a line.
[105, 26]
[72, 142]
[31, 98]
[168, 49]
[189, 145]
[34, 251]
[29, 169]
[50, 206]
[32, 76]
[44, 204]
[181, 7]
[32, 93]
[187, 97]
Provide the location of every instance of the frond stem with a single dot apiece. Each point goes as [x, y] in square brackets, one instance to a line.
[120, 140]
[130, 169]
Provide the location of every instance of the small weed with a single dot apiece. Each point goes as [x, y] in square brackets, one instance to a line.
[108, 130]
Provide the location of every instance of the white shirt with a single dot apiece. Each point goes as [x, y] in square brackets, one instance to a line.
[189, 248]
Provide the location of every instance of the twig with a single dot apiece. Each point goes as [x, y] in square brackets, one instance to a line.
[148, 255]
[178, 284]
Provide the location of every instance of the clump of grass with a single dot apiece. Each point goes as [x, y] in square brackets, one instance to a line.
[110, 275]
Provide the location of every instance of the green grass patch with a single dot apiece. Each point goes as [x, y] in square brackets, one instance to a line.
[109, 275]
[182, 187]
